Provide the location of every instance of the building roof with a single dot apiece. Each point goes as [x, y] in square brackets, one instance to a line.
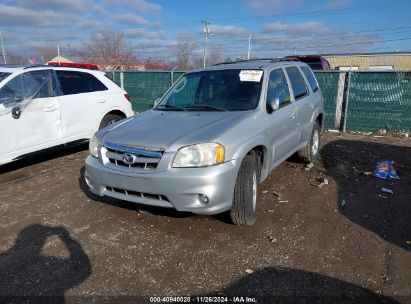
[60, 59]
[367, 54]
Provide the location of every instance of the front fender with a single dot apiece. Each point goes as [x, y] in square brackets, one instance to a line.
[258, 141]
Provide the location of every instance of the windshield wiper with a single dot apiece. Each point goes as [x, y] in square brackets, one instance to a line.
[170, 107]
[205, 108]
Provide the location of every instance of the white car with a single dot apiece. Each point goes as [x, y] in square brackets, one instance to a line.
[44, 106]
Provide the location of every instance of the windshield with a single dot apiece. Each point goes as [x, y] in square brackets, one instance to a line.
[224, 90]
[3, 75]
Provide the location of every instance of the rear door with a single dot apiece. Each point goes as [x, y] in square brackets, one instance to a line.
[82, 103]
[29, 113]
[314, 101]
[304, 102]
[283, 122]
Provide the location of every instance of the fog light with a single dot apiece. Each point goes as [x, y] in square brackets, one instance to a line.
[203, 198]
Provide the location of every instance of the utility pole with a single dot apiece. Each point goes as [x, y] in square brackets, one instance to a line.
[2, 47]
[249, 47]
[282, 38]
[206, 33]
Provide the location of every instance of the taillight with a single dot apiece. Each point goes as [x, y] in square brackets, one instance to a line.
[128, 97]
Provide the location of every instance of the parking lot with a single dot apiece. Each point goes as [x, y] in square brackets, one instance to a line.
[345, 240]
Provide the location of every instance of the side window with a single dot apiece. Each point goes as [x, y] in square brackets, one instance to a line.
[297, 82]
[310, 77]
[72, 82]
[278, 87]
[29, 85]
[95, 84]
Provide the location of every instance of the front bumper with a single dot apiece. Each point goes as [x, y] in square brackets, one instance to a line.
[178, 188]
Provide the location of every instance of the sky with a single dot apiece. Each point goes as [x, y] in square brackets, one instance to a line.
[152, 27]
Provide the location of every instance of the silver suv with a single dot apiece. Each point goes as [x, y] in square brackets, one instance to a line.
[211, 139]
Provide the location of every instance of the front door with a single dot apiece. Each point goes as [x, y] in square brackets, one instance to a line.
[283, 122]
[29, 113]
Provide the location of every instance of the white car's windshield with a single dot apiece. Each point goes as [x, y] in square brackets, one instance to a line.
[218, 90]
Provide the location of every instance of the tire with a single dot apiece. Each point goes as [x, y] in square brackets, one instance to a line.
[310, 152]
[243, 211]
[109, 119]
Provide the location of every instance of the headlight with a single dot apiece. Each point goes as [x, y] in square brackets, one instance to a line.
[200, 155]
[93, 146]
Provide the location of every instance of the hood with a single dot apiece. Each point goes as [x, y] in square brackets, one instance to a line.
[171, 129]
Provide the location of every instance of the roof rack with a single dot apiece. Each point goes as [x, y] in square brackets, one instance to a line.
[12, 65]
[280, 59]
[36, 66]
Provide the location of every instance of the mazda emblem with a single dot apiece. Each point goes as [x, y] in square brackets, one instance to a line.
[129, 158]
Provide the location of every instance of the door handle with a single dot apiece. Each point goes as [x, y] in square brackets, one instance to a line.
[292, 116]
[51, 108]
[101, 100]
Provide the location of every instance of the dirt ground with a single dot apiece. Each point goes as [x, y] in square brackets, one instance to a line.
[57, 239]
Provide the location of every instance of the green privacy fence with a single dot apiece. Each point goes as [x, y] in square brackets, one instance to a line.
[144, 87]
[328, 82]
[379, 100]
[353, 101]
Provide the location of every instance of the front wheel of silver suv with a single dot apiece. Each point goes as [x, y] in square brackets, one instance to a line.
[243, 211]
[310, 152]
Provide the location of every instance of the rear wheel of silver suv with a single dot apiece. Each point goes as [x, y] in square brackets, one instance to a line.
[310, 152]
[243, 211]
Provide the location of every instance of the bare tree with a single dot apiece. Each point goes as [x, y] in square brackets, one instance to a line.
[16, 58]
[185, 49]
[47, 52]
[110, 51]
[154, 63]
[214, 56]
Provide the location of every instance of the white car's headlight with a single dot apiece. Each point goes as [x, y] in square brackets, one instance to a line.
[200, 155]
[93, 146]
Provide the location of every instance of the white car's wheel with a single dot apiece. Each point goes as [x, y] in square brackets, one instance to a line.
[110, 119]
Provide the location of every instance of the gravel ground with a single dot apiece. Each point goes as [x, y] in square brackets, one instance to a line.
[57, 239]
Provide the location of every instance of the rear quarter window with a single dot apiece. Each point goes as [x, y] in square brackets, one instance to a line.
[310, 78]
[95, 84]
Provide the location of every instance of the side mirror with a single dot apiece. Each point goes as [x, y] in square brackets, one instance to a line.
[275, 104]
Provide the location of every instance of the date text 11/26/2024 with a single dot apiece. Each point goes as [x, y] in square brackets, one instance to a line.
[203, 299]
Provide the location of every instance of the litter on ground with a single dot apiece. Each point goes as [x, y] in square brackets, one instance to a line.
[385, 169]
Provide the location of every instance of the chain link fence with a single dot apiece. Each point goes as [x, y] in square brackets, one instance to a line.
[354, 101]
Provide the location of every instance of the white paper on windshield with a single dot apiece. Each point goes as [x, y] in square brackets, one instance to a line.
[251, 75]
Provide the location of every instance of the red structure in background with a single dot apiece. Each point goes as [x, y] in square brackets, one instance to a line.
[90, 66]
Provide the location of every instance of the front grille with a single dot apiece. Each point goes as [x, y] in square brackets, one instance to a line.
[138, 194]
[113, 155]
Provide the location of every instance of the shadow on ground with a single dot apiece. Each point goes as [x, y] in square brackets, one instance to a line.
[43, 156]
[26, 273]
[286, 285]
[365, 204]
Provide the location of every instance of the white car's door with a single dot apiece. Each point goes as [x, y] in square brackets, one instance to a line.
[29, 114]
[82, 103]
